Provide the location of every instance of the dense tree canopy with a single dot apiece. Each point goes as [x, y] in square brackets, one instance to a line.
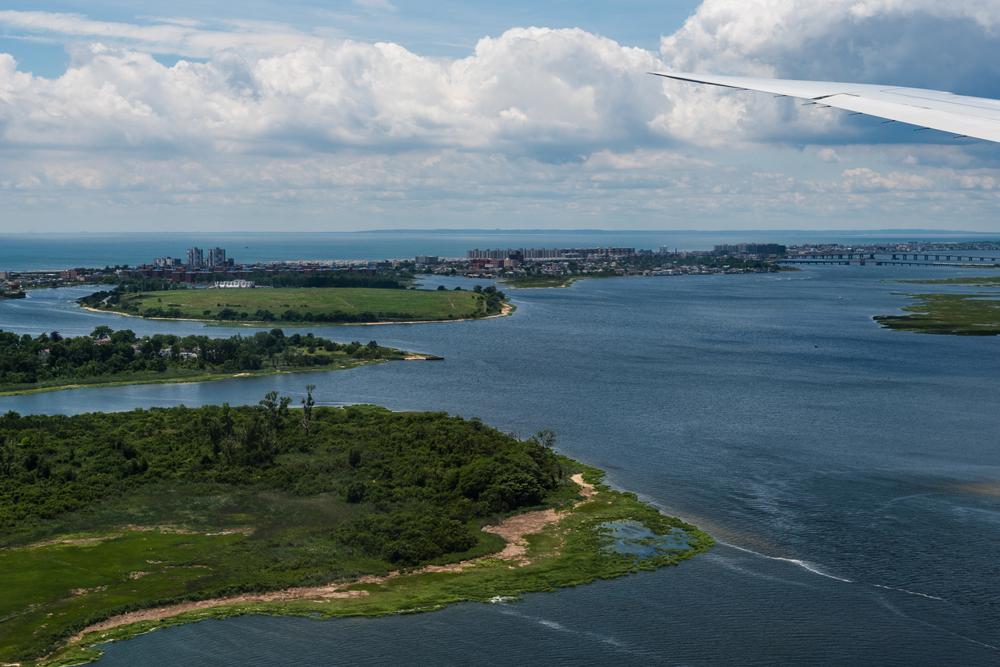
[27, 360]
[419, 480]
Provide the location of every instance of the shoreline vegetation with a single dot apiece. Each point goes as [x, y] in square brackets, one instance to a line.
[108, 358]
[141, 520]
[291, 306]
[950, 313]
[542, 281]
[562, 280]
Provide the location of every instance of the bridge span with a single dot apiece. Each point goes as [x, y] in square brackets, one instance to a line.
[895, 259]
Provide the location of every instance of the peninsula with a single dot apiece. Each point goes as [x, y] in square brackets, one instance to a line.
[106, 357]
[304, 305]
[117, 524]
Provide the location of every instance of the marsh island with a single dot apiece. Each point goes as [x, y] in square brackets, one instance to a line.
[959, 314]
[115, 524]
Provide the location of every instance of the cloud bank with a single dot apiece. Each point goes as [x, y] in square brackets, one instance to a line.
[535, 124]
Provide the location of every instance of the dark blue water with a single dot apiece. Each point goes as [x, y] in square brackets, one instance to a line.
[852, 473]
[24, 252]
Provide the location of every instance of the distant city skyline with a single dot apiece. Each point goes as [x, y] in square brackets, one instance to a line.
[375, 114]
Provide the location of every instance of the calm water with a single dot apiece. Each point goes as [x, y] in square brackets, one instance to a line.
[852, 473]
[23, 252]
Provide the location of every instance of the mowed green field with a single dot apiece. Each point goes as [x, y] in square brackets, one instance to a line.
[344, 304]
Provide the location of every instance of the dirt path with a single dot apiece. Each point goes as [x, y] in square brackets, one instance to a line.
[514, 530]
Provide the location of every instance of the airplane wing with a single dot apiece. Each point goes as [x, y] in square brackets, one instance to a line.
[963, 116]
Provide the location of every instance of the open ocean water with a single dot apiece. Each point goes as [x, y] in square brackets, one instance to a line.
[22, 252]
[851, 474]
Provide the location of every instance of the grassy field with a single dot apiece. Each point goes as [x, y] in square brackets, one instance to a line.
[574, 551]
[50, 587]
[950, 313]
[107, 514]
[954, 314]
[535, 282]
[983, 281]
[290, 305]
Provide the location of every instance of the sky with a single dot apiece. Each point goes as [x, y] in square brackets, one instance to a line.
[309, 115]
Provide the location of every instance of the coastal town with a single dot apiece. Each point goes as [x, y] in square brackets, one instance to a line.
[214, 267]
[522, 264]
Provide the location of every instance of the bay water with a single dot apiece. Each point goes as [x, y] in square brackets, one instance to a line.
[851, 474]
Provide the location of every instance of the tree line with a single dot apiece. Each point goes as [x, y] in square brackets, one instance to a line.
[26, 360]
[420, 482]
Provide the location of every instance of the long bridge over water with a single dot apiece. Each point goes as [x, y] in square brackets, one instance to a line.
[895, 258]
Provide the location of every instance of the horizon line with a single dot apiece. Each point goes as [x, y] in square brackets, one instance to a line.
[520, 230]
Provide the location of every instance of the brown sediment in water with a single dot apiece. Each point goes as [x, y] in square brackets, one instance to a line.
[976, 488]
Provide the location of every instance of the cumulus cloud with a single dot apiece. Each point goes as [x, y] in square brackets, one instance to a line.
[923, 43]
[557, 92]
[919, 43]
[560, 93]
[542, 117]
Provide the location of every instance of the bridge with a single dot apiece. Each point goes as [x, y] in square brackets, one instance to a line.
[894, 259]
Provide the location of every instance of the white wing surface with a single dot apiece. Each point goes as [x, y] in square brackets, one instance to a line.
[963, 116]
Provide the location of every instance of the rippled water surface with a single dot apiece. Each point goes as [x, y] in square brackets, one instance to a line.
[851, 473]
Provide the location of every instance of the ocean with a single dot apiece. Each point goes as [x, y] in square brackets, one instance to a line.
[35, 252]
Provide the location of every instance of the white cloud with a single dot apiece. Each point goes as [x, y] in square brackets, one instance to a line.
[558, 92]
[163, 36]
[827, 154]
[375, 5]
[920, 43]
[531, 121]
[864, 179]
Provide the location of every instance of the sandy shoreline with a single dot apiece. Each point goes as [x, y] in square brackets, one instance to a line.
[514, 530]
[505, 311]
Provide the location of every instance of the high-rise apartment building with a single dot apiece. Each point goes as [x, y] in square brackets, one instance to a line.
[217, 258]
[195, 258]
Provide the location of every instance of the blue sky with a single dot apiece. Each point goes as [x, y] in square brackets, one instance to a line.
[444, 28]
[394, 113]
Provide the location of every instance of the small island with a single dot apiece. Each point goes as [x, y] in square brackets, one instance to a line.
[541, 281]
[116, 524]
[304, 305]
[106, 357]
[950, 313]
